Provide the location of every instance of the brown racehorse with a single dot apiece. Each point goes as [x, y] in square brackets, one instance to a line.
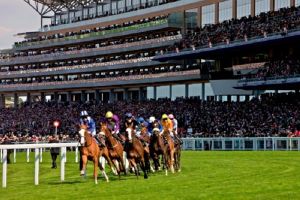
[90, 150]
[156, 147]
[115, 149]
[135, 152]
[163, 144]
[177, 156]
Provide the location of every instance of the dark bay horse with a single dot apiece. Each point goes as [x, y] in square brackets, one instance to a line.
[90, 151]
[135, 152]
[156, 147]
[115, 149]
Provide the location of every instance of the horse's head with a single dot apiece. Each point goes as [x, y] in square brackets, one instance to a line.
[129, 133]
[156, 131]
[82, 131]
[103, 129]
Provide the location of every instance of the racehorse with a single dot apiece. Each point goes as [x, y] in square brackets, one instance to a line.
[91, 151]
[135, 152]
[162, 144]
[156, 147]
[177, 156]
[169, 150]
[115, 149]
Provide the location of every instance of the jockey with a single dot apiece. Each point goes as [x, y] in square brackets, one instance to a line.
[167, 124]
[175, 127]
[130, 121]
[85, 119]
[113, 124]
[151, 123]
[89, 122]
[175, 123]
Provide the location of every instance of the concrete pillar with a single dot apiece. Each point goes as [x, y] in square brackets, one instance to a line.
[141, 98]
[29, 98]
[56, 96]
[43, 98]
[170, 93]
[216, 12]
[83, 96]
[97, 96]
[186, 90]
[16, 100]
[272, 5]
[125, 94]
[292, 3]
[69, 97]
[111, 96]
[252, 8]
[234, 9]
[154, 92]
[2, 101]
[203, 91]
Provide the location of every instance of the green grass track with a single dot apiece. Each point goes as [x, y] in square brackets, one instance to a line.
[205, 175]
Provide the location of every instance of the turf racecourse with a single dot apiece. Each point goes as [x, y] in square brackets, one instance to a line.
[205, 175]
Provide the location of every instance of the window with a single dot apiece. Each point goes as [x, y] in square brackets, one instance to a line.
[281, 4]
[243, 8]
[297, 3]
[262, 6]
[208, 14]
[225, 10]
[191, 18]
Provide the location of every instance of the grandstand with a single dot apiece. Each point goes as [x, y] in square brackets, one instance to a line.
[135, 50]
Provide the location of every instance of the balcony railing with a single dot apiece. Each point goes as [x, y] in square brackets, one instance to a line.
[78, 53]
[95, 34]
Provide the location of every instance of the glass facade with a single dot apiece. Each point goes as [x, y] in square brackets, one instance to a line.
[195, 90]
[178, 91]
[243, 8]
[225, 10]
[282, 4]
[163, 92]
[262, 6]
[190, 17]
[208, 14]
[297, 3]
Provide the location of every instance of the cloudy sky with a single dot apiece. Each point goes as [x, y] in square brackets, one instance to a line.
[16, 16]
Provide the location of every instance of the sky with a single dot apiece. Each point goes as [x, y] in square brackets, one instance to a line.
[16, 16]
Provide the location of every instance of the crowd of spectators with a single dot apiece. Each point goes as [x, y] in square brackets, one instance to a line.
[276, 68]
[61, 53]
[242, 29]
[269, 115]
[135, 75]
[88, 31]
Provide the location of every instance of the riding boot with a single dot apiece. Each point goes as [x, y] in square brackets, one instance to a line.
[100, 142]
[179, 140]
[118, 138]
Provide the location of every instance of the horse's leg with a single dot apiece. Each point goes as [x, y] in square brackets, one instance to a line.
[124, 162]
[134, 165]
[84, 162]
[172, 160]
[102, 169]
[110, 163]
[96, 162]
[143, 166]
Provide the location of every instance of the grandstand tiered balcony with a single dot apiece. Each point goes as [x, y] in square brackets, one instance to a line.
[147, 27]
[92, 52]
[238, 46]
[140, 80]
[84, 68]
[270, 83]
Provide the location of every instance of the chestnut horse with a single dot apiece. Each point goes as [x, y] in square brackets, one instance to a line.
[135, 152]
[162, 143]
[90, 150]
[115, 149]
